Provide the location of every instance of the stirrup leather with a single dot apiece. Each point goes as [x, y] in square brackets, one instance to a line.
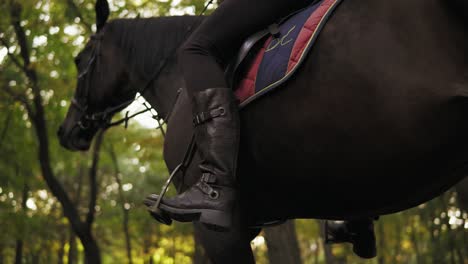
[208, 115]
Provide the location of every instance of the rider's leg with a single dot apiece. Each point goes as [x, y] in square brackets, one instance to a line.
[205, 54]
[203, 58]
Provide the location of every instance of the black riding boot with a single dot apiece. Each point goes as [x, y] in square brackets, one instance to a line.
[360, 233]
[211, 199]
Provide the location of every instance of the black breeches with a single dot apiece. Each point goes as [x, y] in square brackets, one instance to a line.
[205, 54]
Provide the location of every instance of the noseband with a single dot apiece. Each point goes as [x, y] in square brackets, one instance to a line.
[101, 119]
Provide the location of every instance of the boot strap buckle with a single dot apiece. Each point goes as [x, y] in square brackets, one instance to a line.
[208, 178]
[207, 189]
[206, 116]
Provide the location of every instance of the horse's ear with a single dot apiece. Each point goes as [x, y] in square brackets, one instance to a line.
[102, 13]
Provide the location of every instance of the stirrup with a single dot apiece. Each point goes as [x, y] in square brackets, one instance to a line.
[155, 211]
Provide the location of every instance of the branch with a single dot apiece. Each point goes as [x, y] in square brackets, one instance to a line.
[80, 175]
[20, 98]
[77, 11]
[11, 55]
[115, 163]
[122, 203]
[92, 179]
[15, 11]
[5, 128]
[42, 135]
[39, 117]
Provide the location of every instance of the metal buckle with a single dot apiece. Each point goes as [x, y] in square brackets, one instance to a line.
[207, 189]
[214, 195]
[199, 119]
[206, 116]
[208, 178]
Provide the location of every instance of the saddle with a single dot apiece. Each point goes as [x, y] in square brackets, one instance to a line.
[270, 57]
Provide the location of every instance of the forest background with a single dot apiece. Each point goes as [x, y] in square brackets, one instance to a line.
[58, 206]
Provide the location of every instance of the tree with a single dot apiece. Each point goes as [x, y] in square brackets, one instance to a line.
[282, 244]
[36, 112]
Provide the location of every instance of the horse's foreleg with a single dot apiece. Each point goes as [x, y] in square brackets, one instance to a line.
[232, 246]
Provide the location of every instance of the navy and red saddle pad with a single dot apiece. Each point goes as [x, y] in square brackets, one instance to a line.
[278, 56]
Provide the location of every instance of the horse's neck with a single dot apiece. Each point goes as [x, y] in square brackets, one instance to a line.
[166, 35]
[163, 92]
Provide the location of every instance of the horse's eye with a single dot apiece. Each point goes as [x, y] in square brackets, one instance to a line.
[77, 61]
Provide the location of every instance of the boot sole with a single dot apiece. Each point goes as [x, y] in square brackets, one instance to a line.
[214, 219]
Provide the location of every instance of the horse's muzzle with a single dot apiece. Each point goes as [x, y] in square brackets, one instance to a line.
[71, 140]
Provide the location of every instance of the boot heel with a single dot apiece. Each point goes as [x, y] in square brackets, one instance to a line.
[214, 219]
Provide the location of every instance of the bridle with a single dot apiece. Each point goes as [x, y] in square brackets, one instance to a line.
[102, 119]
[87, 118]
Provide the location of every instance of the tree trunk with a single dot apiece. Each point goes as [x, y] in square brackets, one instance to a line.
[397, 249]
[462, 194]
[415, 242]
[19, 241]
[37, 114]
[381, 256]
[123, 203]
[2, 257]
[148, 242]
[35, 258]
[127, 234]
[92, 252]
[461, 258]
[317, 252]
[451, 235]
[61, 251]
[19, 251]
[73, 250]
[282, 244]
[327, 250]
[464, 241]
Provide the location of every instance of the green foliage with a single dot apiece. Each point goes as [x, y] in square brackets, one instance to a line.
[434, 232]
[56, 31]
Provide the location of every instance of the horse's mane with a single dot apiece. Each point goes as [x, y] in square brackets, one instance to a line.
[146, 41]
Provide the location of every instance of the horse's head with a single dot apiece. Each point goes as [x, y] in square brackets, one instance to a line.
[102, 87]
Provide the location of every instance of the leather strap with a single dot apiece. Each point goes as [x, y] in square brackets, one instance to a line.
[207, 189]
[206, 116]
[208, 178]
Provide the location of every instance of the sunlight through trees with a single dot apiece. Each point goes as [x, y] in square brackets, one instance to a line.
[54, 203]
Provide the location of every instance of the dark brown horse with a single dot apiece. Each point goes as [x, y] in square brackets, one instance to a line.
[374, 122]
